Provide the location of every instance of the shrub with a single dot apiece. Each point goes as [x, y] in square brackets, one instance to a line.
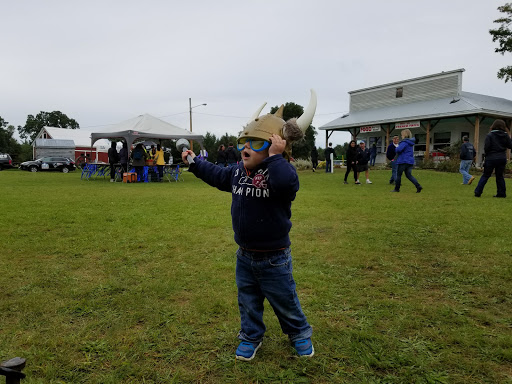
[453, 150]
[302, 164]
[426, 164]
[508, 167]
[450, 165]
[321, 165]
[382, 167]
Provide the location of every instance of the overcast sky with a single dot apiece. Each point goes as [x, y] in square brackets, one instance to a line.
[102, 62]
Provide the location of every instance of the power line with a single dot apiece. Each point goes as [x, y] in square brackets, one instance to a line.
[211, 114]
[174, 114]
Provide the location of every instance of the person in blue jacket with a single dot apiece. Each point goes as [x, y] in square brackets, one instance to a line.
[263, 187]
[405, 161]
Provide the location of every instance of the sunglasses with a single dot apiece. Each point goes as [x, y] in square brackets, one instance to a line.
[257, 145]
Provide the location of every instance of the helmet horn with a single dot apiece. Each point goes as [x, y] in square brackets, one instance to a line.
[307, 117]
[257, 113]
[279, 112]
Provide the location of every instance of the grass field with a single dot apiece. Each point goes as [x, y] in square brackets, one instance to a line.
[135, 283]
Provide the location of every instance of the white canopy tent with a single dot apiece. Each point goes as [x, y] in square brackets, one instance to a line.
[144, 127]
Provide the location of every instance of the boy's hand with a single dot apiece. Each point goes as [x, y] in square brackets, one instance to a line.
[186, 153]
[278, 144]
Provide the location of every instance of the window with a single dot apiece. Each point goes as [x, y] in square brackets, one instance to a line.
[377, 141]
[421, 142]
[441, 140]
[399, 92]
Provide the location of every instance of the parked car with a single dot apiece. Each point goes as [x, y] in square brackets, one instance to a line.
[5, 161]
[62, 164]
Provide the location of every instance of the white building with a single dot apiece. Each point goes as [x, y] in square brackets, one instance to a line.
[433, 107]
[81, 138]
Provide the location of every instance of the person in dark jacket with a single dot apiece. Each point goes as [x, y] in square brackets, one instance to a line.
[123, 157]
[390, 155]
[221, 156]
[113, 158]
[351, 161]
[363, 156]
[405, 161]
[467, 155]
[373, 154]
[496, 144]
[327, 153]
[231, 155]
[314, 158]
[139, 156]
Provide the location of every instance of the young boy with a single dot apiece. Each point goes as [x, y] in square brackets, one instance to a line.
[263, 187]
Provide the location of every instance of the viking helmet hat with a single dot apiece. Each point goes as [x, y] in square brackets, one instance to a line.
[262, 127]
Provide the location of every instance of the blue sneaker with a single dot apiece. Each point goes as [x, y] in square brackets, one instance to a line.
[246, 351]
[304, 347]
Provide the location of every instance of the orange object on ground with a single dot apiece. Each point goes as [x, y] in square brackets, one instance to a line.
[130, 177]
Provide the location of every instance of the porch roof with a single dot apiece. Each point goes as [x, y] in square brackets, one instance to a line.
[466, 104]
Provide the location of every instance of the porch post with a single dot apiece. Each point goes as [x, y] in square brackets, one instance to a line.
[510, 134]
[477, 136]
[326, 138]
[387, 135]
[427, 146]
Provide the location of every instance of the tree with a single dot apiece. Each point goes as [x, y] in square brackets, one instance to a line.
[503, 35]
[341, 150]
[210, 144]
[226, 139]
[8, 143]
[45, 119]
[302, 148]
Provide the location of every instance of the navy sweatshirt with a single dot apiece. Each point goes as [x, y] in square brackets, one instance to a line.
[261, 200]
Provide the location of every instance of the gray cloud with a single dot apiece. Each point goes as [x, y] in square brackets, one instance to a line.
[101, 62]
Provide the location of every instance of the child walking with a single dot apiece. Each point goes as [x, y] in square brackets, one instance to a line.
[263, 187]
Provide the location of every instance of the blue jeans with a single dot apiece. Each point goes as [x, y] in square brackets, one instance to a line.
[140, 173]
[268, 275]
[465, 165]
[407, 168]
[394, 168]
[328, 165]
[498, 165]
[372, 159]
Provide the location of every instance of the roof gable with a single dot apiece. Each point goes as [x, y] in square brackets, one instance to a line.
[81, 138]
[437, 86]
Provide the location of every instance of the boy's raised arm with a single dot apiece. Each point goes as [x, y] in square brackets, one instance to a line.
[211, 174]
